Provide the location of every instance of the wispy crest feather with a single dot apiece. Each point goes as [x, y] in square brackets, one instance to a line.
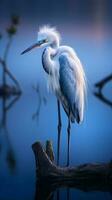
[47, 29]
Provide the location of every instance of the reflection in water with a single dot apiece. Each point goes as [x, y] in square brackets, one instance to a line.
[44, 191]
[45, 188]
[10, 157]
[40, 100]
[100, 86]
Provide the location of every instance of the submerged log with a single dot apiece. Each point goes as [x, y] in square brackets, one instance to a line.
[90, 176]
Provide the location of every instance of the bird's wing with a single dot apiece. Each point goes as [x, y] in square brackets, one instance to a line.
[68, 87]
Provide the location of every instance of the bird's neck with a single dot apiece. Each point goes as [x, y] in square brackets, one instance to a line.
[55, 44]
[48, 58]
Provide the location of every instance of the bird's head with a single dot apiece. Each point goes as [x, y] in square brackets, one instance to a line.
[47, 36]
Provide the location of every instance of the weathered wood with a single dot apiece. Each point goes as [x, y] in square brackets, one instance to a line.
[95, 176]
[49, 150]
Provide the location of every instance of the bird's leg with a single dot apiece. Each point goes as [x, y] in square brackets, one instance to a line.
[68, 130]
[59, 131]
[59, 116]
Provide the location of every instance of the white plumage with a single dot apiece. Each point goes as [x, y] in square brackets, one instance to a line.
[51, 61]
[66, 77]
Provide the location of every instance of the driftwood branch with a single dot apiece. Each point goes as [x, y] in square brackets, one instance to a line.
[88, 177]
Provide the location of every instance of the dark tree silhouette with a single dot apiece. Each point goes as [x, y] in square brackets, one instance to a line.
[5, 89]
[99, 85]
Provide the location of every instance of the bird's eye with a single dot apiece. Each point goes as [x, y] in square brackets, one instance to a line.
[45, 40]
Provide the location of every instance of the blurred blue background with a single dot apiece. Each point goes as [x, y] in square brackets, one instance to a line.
[85, 26]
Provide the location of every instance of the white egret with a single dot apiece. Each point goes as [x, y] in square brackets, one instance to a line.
[66, 75]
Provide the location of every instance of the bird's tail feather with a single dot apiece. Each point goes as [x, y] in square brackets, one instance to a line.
[75, 113]
[72, 118]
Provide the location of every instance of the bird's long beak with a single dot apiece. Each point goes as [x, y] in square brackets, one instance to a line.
[38, 44]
